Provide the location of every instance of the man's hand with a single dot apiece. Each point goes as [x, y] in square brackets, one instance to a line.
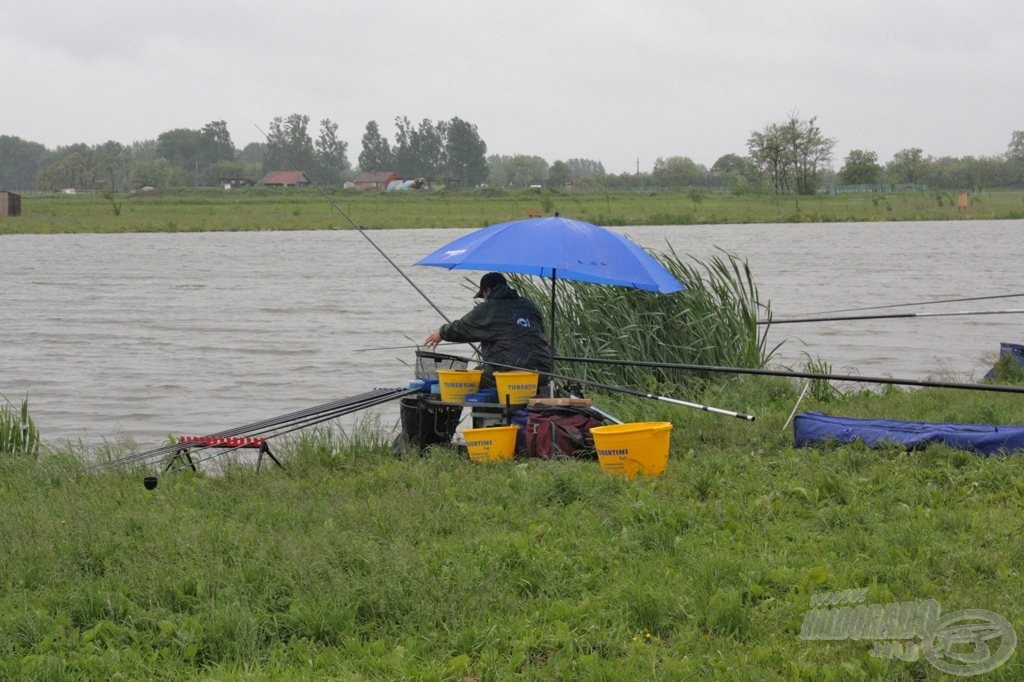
[433, 339]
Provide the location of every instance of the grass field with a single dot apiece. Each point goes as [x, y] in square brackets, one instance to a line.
[306, 209]
[354, 564]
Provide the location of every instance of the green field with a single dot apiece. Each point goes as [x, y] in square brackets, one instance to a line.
[307, 209]
[352, 564]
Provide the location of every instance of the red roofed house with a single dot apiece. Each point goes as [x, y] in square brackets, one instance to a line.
[374, 179]
[285, 179]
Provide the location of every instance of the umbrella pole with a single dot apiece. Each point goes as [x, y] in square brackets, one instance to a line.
[554, 279]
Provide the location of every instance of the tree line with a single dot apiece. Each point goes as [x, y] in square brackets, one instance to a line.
[793, 156]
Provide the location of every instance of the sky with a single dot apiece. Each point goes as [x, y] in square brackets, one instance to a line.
[620, 82]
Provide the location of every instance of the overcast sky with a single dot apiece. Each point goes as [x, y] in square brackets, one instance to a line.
[617, 82]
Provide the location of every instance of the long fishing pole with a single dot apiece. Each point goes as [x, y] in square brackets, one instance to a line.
[417, 346]
[362, 232]
[292, 427]
[906, 305]
[630, 391]
[999, 388]
[889, 316]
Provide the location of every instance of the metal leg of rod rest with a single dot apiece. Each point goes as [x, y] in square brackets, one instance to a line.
[181, 452]
[265, 450]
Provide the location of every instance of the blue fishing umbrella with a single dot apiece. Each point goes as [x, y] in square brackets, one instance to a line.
[557, 247]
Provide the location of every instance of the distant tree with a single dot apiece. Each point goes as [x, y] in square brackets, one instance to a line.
[907, 166]
[226, 170]
[735, 171]
[331, 154]
[792, 155]
[630, 181]
[559, 175]
[984, 172]
[768, 152]
[215, 143]
[465, 153]
[1015, 159]
[522, 170]
[20, 161]
[1015, 150]
[376, 154]
[419, 151]
[731, 163]
[158, 173]
[71, 167]
[968, 172]
[584, 168]
[253, 152]
[406, 156]
[860, 168]
[809, 152]
[142, 150]
[113, 165]
[196, 151]
[289, 146]
[676, 171]
[497, 174]
[182, 148]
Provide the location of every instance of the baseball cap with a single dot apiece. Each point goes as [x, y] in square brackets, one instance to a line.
[489, 281]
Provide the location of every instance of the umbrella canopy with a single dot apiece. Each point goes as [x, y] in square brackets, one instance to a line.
[556, 247]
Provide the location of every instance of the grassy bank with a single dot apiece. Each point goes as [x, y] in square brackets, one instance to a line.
[306, 209]
[352, 564]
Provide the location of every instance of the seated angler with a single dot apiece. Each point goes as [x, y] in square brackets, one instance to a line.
[508, 328]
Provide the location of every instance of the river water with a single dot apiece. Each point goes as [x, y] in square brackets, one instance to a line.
[118, 337]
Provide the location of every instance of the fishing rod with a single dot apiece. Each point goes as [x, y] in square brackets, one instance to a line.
[904, 305]
[416, 346]
[889, 316]
[269, 428]
[319, 419]
[361, 231]
[999, 388]
[629, 391]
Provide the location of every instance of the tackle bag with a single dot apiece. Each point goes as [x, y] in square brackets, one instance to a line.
[561, 431]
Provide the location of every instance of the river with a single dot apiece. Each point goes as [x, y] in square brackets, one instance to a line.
[129, 337]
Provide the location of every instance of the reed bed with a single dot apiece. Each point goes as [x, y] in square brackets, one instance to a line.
[713, 322]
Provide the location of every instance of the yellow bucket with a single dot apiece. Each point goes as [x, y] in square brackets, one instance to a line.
[456, 384]
[518, 386]
[631, 448]
[491, 443]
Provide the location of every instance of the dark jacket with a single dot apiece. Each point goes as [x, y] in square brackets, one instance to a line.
[509, 330]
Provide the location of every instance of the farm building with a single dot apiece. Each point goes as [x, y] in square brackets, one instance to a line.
[10, 205]
[285, 179]
[374, 179]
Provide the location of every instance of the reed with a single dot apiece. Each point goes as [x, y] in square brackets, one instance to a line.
[18, 433]
[712, 322]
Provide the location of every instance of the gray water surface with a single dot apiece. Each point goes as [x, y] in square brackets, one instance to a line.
[134, 336]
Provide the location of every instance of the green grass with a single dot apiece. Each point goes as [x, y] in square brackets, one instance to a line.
[306, 209]
[352, 564]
